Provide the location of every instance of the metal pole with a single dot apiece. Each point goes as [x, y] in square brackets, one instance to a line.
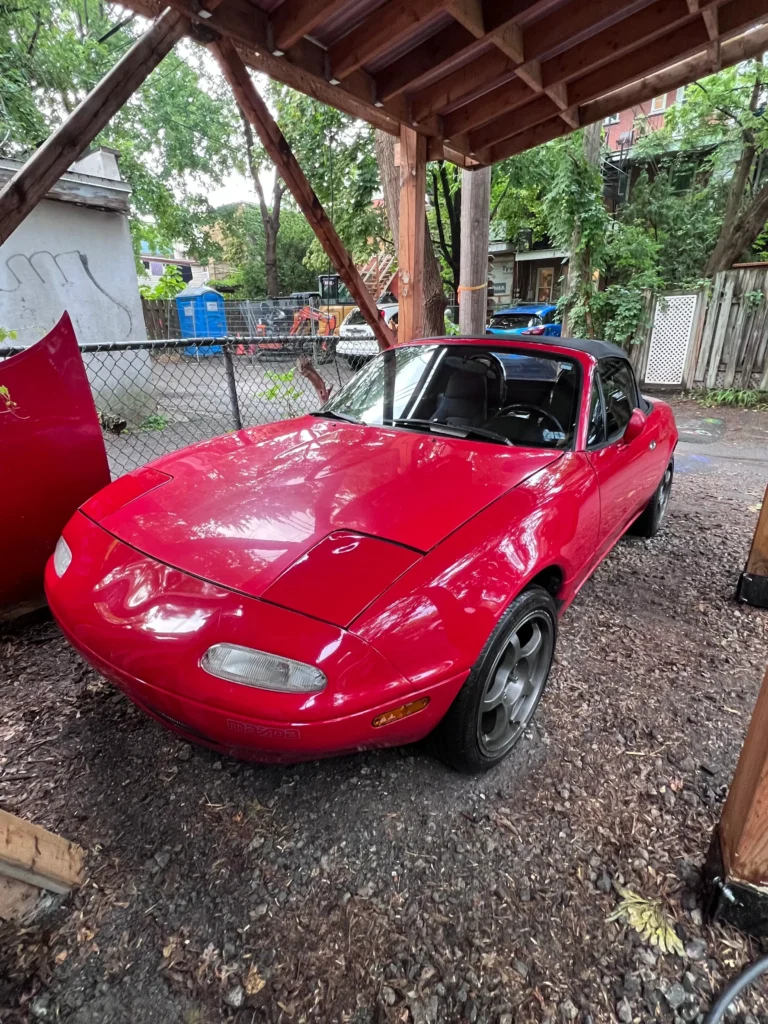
[232, 384]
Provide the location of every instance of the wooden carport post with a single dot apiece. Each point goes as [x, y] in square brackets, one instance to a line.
[737, 865]
[753, 584]
[276, 145]
[413, 188]
[47, 164]
[473, 270]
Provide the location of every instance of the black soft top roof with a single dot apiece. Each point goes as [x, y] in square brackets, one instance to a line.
[592, 347]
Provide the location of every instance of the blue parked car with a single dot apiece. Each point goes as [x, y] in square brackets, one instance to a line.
[525, 318]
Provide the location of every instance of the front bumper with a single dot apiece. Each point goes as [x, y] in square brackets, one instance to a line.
[145, 626]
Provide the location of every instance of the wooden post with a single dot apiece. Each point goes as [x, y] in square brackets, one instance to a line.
[287, 166]
[47, 164]
[473, 272]
[33, 855]
[753, 584]
[413, 187]
[737, 865]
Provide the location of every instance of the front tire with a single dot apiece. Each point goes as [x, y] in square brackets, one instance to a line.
[500, 696]
[648, 523]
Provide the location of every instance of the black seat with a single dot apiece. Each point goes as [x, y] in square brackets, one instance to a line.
[465, 402]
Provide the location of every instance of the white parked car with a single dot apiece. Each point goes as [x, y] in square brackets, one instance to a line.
[356, 341]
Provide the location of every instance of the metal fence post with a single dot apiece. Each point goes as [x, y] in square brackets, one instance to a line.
[232, 388]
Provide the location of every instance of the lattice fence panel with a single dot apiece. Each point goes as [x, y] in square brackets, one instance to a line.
[670, 339]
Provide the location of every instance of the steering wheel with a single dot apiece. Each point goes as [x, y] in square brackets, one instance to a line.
[541, 413]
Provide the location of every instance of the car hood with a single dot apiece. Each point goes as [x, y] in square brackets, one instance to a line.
[240, 509]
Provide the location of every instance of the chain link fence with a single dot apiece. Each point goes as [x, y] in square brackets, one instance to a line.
[209, 315]
[154, 397]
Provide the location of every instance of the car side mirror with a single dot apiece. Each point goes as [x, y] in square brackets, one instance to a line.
[635, 426]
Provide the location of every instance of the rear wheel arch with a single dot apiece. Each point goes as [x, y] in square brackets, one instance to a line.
[550, 579]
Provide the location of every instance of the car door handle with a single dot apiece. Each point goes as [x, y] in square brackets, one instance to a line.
[652, 445]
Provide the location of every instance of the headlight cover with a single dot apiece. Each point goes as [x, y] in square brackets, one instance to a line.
[263, 671]
[62, 557]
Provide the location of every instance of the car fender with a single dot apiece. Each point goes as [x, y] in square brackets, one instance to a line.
[432, 623]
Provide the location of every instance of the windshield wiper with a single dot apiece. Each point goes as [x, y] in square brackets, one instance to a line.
[331, 414]
[453, 430]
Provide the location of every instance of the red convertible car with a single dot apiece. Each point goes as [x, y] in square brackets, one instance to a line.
[391, 565]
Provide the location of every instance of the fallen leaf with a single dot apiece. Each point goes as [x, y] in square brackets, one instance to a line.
[253, 981]
[649, 920]
[61, 957]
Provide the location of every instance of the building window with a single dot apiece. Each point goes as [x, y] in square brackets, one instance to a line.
[611, 119]
[545, 283]
[156, 269]
[659, 105]
[680, 94]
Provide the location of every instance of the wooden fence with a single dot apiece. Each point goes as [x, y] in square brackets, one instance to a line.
[732, 352]
[726, 331]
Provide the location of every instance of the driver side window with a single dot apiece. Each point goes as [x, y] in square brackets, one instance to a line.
[620, 396]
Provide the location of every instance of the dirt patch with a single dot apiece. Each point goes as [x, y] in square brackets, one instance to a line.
[383, 887]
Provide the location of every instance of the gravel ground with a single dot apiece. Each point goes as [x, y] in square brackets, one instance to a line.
[382, 887]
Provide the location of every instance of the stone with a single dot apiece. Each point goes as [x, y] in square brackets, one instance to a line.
[184, 752]
[162, 858]
[388, 995]
[41, 1008]
[520, 968]
[696, 949]
[624, 1011]
[235, 997]
[676, 995]
[567, 1010]
[604, 882]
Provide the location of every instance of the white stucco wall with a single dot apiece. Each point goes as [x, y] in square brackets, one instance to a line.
[80, 259]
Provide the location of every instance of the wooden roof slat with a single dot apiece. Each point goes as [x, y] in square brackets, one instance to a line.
[296, 18]
[637, 30]
[502, 100]
[541, 109]
[447, 45]
[374, 35]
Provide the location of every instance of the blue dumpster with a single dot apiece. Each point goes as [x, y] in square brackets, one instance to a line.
[201, 315]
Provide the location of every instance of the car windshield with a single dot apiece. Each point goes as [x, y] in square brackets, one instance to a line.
[497, 395]
[512, 321]
[355, 318]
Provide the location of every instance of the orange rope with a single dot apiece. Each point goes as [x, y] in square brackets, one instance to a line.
[470, 288]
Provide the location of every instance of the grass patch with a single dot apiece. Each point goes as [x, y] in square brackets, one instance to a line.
[711, 398]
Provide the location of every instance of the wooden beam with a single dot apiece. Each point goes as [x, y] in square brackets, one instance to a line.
[732, 51]
[473, 271]
[296, 18]
[541, 109]
[413, 188]
[287, 167]
[47, 164]
[488, 71]
[32, 854]
[753, 585]
[536, 136]
[377, 33]
[709, 14]
[744, 824]
[468, 13]
[500, 101]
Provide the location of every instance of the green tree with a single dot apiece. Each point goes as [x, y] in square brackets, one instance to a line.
[175, 136]
[243, 241]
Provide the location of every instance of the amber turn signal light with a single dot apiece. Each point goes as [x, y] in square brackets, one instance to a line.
[402, 712]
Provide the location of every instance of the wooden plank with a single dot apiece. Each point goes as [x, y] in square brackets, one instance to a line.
[733, 343]
[541, 109]
[691, 359]
[473, 271]
[536, 136]
[377, 33]
[732, 51]
[422, 60]
[413, 188]
[16, 898]
[31, 854]
[744, 824]
[710, 325]
[47, 164]
[753, 358]
[499, 102]
[287, 166]
[721, 331]
[295, 18]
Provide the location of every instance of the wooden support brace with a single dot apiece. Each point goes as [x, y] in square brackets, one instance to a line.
[287, 167]
[47, 164]
[753, 585]
[737, 864]
[413, 187]
[475, 220]
[33, 855]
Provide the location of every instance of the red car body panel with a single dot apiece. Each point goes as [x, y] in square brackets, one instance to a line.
[382, 556]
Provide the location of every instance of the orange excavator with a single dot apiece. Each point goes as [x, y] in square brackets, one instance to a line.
[307, 316]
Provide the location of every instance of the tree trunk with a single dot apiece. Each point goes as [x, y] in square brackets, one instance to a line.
[736, 231]
[434, 300]
[270, 219]
[580, 264]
